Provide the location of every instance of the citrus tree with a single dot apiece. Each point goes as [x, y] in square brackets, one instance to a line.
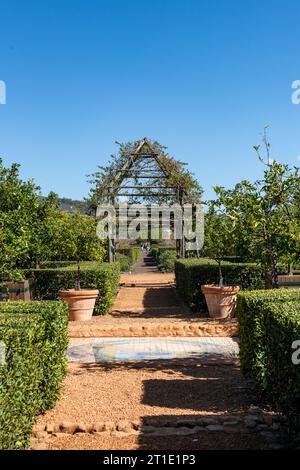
[76, 239]
[24, 214]
[263, 214]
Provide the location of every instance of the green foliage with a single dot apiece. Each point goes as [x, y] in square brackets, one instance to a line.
[269, 323]
[219, 238]
[135, 253]
[35, 338]
[76, 238]
[191, 274]
[178, 176]
[24, 217]
[33, 230]
[102, 276]
[262, 214]
[165, 257]
[127, 255]
[124, 262]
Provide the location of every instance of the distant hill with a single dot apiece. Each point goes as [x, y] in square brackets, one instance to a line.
[70, 205]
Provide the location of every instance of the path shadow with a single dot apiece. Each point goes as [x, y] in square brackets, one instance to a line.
[181, 440]
[157, 302]
[146, 264]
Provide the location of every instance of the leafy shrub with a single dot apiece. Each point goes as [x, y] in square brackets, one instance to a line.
[35, 338]
[127, 256]
[125, 263]
[154, 252]
[135, 253]
[191, 274]
[132, 252]
[102, 276]
[165, 257]
[269, 323]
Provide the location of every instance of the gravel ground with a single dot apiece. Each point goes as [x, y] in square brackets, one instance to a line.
[201, 441]
[140, 391]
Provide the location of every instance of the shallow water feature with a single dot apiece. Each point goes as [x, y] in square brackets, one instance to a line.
[136, 349]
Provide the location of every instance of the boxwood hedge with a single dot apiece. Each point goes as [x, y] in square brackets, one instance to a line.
[165, 256]
[103, 276]
[34, 335]
[132, 252]
[269, 323]
[192, 273]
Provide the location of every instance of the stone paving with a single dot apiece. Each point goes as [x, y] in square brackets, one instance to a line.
[135, 349]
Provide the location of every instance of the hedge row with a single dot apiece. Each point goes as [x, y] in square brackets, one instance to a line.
[191, 274]
[127, 257]
[269, 323]
[124, 262]
[102, 276]
[165, 257]
[132, 252]
[35, 338]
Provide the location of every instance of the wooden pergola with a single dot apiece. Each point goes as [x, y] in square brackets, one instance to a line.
[143, 176]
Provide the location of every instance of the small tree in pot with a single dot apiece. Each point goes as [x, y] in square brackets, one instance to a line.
[265, 213]
[78, 240]
[219, 242]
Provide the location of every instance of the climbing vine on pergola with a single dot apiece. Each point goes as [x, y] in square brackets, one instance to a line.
[142, 171]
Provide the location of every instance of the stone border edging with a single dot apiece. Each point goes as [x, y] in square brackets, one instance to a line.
[255, 421]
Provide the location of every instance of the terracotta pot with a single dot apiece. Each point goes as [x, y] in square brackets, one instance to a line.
[81, 303]
[221, 301]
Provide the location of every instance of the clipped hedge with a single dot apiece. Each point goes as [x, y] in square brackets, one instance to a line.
[135, 253]
[269, 323]
[132, 252]
[124, 262]
[192, 273]
[102, 276]
[35, 339]
[165, 257]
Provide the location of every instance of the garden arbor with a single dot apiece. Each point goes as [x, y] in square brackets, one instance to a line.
[143, 173]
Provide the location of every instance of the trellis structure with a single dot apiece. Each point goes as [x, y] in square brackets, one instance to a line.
[144, 175]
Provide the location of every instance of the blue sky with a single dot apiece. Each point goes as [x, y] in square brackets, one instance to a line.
[203, 77]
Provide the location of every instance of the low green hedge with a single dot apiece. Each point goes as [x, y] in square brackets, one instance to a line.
[125, 263]
[56, 264]
[127, 256]
[35, 339]
[102, 276]
[269, 323]
[132, 252]
[165, 257]
[135, 253]
[192, 273]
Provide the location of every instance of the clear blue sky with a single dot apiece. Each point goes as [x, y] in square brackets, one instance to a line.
[203, 77]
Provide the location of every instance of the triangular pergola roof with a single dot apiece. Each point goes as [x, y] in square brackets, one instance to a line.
[144, 150]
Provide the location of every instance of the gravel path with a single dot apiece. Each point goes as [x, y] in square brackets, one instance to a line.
[200, 441]
[134, 391]
[154, 394]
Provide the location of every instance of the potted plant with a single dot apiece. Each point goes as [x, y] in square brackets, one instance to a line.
[220, 298]
[80, 243]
